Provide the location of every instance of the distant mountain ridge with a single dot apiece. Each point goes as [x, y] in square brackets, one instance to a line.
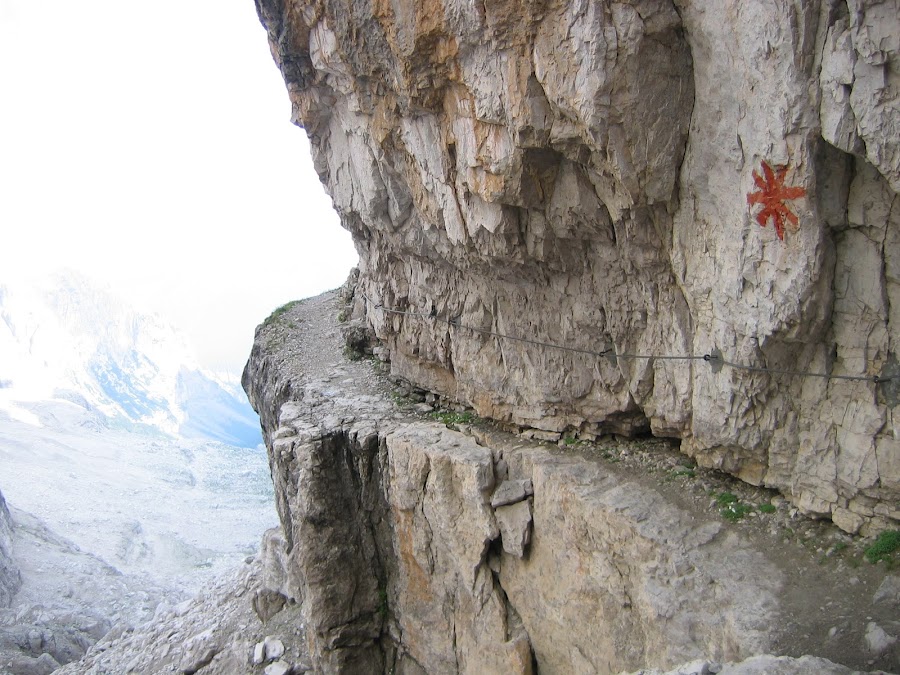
[64, 337]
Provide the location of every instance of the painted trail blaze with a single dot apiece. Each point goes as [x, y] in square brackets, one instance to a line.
[772, 193]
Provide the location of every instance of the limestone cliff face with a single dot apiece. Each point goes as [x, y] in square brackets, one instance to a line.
[651, 177]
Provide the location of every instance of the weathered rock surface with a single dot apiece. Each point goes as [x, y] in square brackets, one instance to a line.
[860, 80]
[10, 578]
[399, 562]
[578, 173]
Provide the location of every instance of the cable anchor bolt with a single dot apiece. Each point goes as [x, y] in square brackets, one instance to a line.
[715, 360]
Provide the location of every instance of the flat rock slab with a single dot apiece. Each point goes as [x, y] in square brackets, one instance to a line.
[274, 648]
[514, 521]
[512, 491]
[888, 592]
[278, 668]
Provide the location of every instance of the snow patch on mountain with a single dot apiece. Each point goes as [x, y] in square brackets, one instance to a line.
[64, 338]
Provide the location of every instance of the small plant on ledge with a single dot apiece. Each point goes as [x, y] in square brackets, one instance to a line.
[281, 311]
[449, 417]
[885, 547]
[732, 508]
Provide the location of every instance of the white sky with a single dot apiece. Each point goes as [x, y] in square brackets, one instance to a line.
[148, 145]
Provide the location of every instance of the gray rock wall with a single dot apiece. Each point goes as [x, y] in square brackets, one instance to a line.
[10, 579]
[649, 177]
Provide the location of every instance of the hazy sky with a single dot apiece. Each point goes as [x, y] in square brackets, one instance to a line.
[148, 145]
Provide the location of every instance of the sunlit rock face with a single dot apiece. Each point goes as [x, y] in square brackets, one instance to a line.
[649, 177]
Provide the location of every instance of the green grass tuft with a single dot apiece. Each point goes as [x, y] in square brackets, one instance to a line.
[725, 498]
[732, 509]
[281, 311]
[736, 511]
[449, 417]
[884, 547]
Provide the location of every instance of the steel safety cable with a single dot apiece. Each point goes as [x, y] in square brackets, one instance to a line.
[806, 373]
[714, 358]
[483, 331]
